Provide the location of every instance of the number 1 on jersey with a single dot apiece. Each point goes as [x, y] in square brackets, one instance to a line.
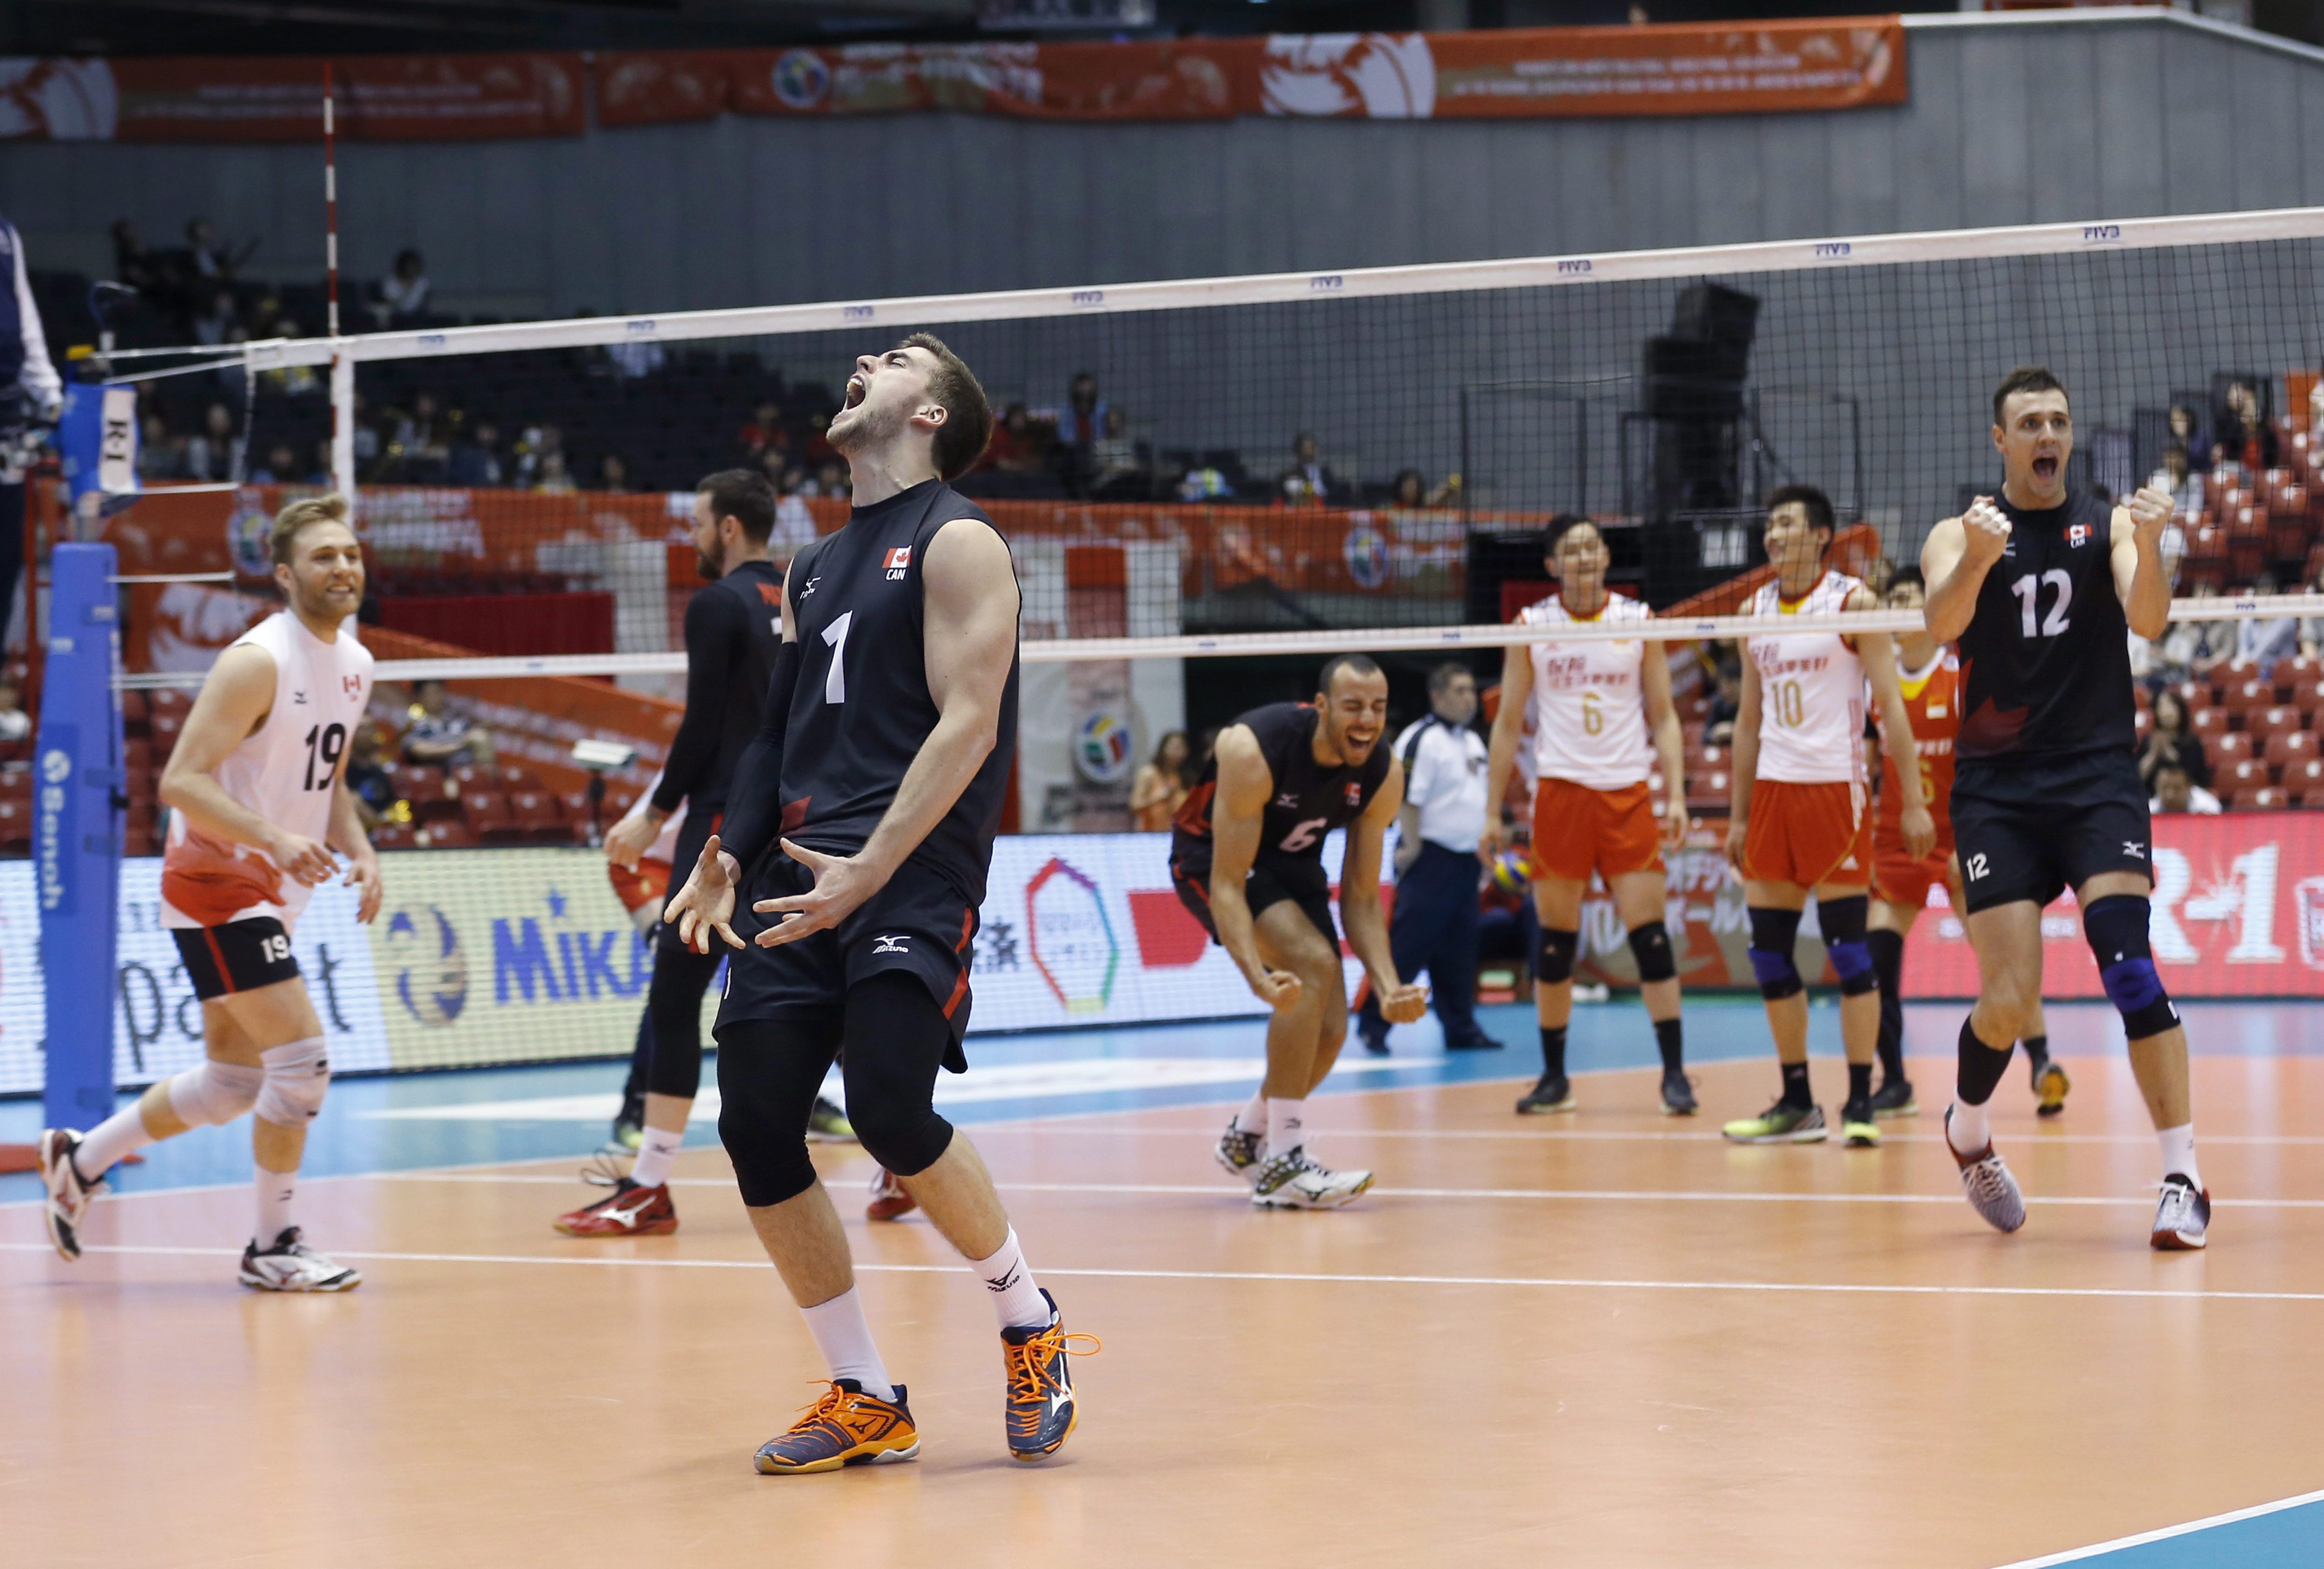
[835, 683]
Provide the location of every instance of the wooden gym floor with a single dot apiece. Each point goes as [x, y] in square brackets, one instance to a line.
[1599, 1339]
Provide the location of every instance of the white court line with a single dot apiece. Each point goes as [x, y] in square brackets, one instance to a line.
[1224, 1190]
[2167, 1532]
[2028, 1138]
[582, 1261]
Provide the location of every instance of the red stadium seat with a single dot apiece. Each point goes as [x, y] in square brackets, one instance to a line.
[16, 785]
[450, 834]
[15, 824]
[536, 815]
[1708, 757]
[2246, 543]
[2244, 692]
[2269, 488]
[2207, 723]
[168, 700]
[133, 711]
[2231, 747]
[2244, 774]
[2195, 694]
[2308, 697]
[2300, 669]
[2266, 722]
[619, 799]
[2287, 748]
[511, 777]
[488, 812]
[164, 728]
[391, 837]
[2306, 777]
[2268, 799]
[2206, 561]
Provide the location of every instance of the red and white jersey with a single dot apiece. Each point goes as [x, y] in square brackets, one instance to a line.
[1591, 727]
[287, 771]
[1811, 691]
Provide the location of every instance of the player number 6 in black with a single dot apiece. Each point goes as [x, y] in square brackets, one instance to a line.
[323, 748]
[2028, 590]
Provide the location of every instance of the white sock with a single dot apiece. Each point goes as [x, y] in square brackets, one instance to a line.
[1968, 1129]
[1017, 1301]
[273, 1190]
[2178, 1152]
[656, 1151]
[103, 1146]
[1287, 1123]
[1252, 1118]
[844, 1339]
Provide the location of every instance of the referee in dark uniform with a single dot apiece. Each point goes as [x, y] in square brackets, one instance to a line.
[1434, 924]
[2042, 586]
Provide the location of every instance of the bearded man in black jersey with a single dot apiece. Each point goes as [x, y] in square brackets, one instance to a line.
[1247, 860]
[2041, 586]
[890, 721]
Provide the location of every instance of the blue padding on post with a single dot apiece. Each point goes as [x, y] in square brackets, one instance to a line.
[76, 834]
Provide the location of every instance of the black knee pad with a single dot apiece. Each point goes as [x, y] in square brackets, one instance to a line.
[1553, 956]
[2115, 928]
[674, 1014]
[1650, 944]
[896, 1041]
[1843, 923]
[768, 1075]
[1773, 933]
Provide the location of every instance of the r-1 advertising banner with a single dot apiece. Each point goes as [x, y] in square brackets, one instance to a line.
[491, 956]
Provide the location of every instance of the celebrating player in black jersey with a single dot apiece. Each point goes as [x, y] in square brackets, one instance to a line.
[1247, 858]
[891, 723]
[2041, 587]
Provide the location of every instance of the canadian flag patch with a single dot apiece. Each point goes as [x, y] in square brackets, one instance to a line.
[2078, 535]
[898, 558]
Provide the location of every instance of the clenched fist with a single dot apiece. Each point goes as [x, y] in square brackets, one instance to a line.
[1986, 530]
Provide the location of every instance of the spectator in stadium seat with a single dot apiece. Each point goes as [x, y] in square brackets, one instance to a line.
[2175, 792]
[218, 317]
[2244, 435]
[402, 295]
[532, 447]
[422, 433]
[1410, 492]
[2177, 476]
[209, 451]
[281, 467]
[832, 480]
[439, 738]
[2261, 641]
[2173, 744]
[15, 724]
[1727, 692]
[1160, 788]
[160, 455]
[366, 780]
[2185, 430]
[2311, 627]
[551, 477]
[132, 263]
[1307, 479]
[1020, 444]
[210, 259]
[1113, 456]
[794, 522]
[477, 460]
[1085, 412]
[2196, 648]
[612, 474]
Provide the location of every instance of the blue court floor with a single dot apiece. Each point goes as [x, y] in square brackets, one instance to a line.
[414, 1122]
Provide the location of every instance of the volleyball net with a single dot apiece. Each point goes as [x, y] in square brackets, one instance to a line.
[1208, 486]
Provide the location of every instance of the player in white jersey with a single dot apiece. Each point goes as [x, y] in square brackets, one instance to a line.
[260, 803]
[1802, 819]
[1601, 711]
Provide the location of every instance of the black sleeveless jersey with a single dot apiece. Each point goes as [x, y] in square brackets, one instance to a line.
[1308, 801]
[860, 709]
[2045, 661]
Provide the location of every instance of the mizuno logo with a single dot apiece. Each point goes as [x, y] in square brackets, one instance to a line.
[2133, 849]
[887, 944]
[299, 698]
[811, 586]
[1287, 801]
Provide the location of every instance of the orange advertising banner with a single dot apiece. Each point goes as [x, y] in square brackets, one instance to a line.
[1182, 79]
[1772, 66]
[408, 97]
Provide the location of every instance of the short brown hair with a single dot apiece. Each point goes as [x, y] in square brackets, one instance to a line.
[330, 507]
[2024, 379]
[744, 494]
[968, 416]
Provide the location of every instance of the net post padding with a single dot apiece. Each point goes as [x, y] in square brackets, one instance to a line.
[77, 835]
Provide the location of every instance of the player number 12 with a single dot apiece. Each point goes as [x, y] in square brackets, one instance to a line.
[2028, 588]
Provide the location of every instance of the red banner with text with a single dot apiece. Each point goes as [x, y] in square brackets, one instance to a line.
[2238, 912]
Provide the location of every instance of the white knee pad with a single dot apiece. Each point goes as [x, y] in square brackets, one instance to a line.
[297, 1075]
[215, 1093]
